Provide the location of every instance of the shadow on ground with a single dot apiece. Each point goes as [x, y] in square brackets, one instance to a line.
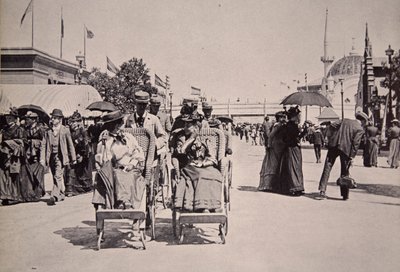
[248, 188]
[116, 234]
[376, 189]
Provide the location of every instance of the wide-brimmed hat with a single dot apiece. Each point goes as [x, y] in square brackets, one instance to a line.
[31, 114]
[142, 97]
[188, 100]
[191, 117]
[293, 111]
[206, 106]
[361, 116]
[112, 116]
[76, 117]
[395, 121]
[57, 113]
[155, 100]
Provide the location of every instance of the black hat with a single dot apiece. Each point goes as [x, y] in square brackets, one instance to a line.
[112, 116]
[57, 113]
[76, 117]
[191, 117]
[293, 111]
[13, 112]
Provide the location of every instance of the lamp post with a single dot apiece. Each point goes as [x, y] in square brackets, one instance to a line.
[341, 96]
[170, 103]
[331, 86]
[389, 52]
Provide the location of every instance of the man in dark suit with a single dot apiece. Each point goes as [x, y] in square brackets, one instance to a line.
[344, 138]
[57, 151]
[266, 130]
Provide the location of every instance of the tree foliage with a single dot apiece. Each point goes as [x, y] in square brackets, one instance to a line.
[392, 79]
[120, 89]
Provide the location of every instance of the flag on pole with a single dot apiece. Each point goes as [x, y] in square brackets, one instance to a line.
[89, 34]
[28, 9]
[195, 91]
[158, 81]
[111, 66]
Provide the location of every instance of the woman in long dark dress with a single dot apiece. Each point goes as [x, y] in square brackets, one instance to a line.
[79, 176]
[394, 151]
[371, 146]
[200, 184]
[32, 176]
[272, 159]
[12, 149]
[291, 173]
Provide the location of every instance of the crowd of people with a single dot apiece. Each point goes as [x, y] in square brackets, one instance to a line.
[71, 150]
[281, 170]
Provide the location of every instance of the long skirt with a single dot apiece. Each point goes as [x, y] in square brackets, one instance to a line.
[394, 153]
[291, 173]
[371, 152]
[78, 178]
[270, 170]
[198, 189]
[32, 181]
[10, 186]
[114, 186]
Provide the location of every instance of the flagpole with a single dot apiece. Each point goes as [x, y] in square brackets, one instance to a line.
[32, 22]
[84, 45]
[62, 32]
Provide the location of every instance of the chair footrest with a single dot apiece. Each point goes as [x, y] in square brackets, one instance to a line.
[120, 214]
[198, 218]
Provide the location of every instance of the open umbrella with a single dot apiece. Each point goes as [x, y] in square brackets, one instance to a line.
[102, 106]
[34, 108]
[225, 119]
[306, 99]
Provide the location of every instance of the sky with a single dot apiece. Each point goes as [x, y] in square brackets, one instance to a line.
[229, 49]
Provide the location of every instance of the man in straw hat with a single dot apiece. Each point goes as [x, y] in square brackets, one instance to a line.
[155, 103]
[394, 150]
[344, 137]
[141, 118]
[57, 151]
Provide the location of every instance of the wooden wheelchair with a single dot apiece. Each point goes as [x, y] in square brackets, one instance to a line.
[216, 140]
[146, 140]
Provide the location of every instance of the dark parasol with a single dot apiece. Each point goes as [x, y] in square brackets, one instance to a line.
[306, 99]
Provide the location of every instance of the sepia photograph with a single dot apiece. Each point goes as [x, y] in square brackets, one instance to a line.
[200, 135]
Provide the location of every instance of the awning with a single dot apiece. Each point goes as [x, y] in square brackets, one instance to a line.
[67, 98]
[328, 114]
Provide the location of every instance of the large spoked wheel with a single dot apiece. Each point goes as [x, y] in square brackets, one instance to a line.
[222, 232]
[151, 210]
[165, 183]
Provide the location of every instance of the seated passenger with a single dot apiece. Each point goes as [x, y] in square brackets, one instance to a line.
[121, 152]
[199, 187]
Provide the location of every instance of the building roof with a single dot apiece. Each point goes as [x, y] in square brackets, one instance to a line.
[328, 114]
[68, 98]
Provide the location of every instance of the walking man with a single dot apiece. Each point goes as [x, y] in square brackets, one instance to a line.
[57, 151]
[344, 138]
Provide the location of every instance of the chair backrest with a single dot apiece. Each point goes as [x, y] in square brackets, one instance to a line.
[228, 141]
[215, 139]
[147, 142]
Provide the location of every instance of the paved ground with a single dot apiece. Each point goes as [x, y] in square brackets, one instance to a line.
[267, 232]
